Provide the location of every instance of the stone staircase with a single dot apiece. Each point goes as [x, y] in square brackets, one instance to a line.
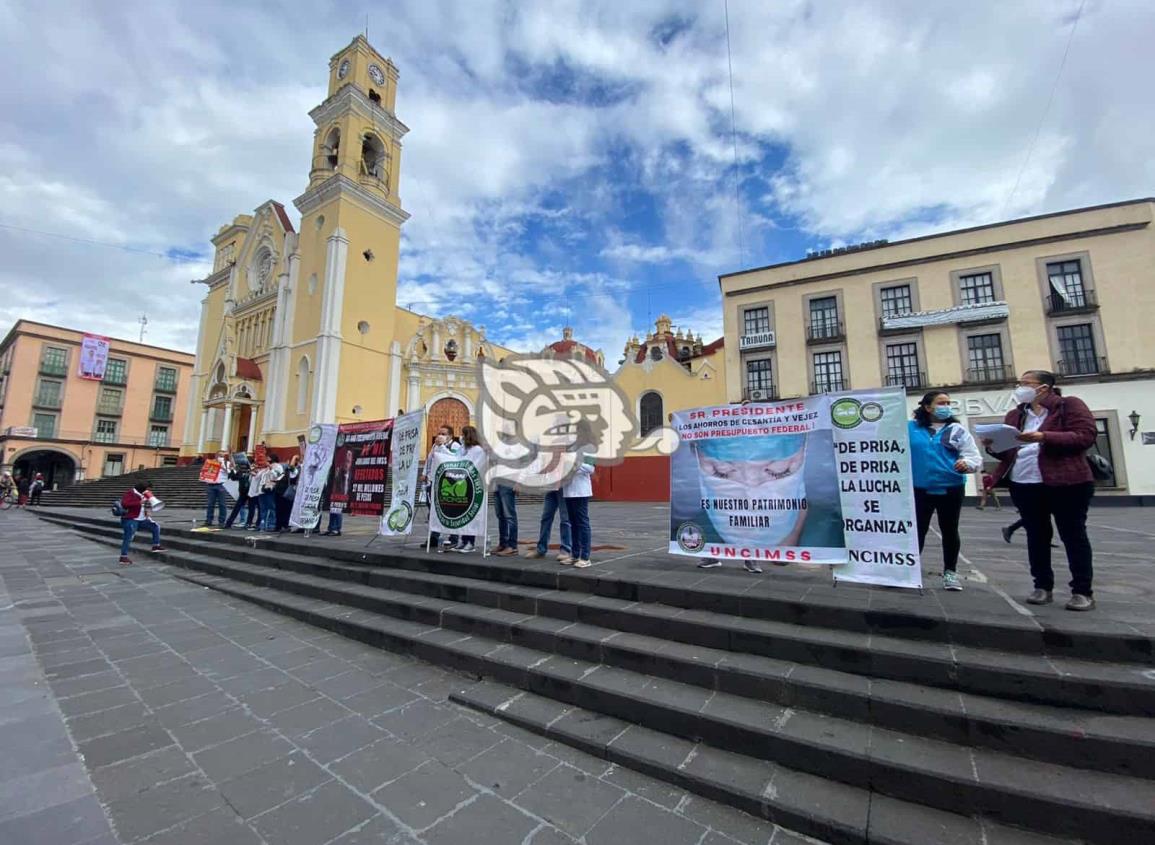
[179, 487]
[834, 720]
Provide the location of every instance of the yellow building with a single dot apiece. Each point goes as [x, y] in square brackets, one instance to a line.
[302, 326]
[967, 311]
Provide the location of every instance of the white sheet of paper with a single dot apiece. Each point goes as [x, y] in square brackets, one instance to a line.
[1003, 436]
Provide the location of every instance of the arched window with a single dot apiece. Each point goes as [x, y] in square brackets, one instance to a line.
[302, 384]
[655, 353]
[650, 412]
[372, 156]
[332, 147]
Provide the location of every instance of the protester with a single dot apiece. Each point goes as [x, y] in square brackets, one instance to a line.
[215, 491]
[1050, 478]
[445, 443]
[241, 473]
[286, 491]
[942, 453]
[505, 508]
[577, 492]
[473, 450]
[269, 480]
[36, 488]
[23, 485]
[255, 514]
[136, 506]
[989, 491]
[552, 503]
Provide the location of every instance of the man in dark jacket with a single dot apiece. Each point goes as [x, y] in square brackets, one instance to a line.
[241, 473]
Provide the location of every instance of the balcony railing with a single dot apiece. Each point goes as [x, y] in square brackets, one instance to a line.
[910, 380]
[50, 368]
[1087, 365]
[825, 331]
[157, 441]
[989, 375]
[104, 437]
[883, 328]
[109, 409]
[115, 377]
[43, 401]
[1075, 302]
[164, 385]
[830, 385]
[760, 394]
[161, 415]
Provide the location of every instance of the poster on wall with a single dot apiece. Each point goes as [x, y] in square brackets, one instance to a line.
[319, 446]
[360, 467]
[458, 502]
[398, 519]
[93, 357]
[823, 480]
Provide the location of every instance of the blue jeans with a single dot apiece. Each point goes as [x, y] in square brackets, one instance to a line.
[215, 494]
[268, 520]
[553, 503]
[130, 527]
[579, 517]
[336, 520]
[505, 506]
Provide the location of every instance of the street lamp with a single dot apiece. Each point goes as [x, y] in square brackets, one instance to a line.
[1134, 418]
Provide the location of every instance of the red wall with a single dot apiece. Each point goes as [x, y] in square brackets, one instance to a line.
[639, 479]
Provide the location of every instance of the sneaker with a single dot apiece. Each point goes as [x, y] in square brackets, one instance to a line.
[159, 549]
[1040, 597]
[534, 554]
[332, 534]
[1080, 602]
[464, 548]
[125, 561]
[710, 563]
[563, 555]
[950, 581]
[581, 563]
[1006, 530]
[752, 566]
[565, 560]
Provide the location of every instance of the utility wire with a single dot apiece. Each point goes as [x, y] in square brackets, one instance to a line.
[734, 140]
[1046, 109]
[179, 259]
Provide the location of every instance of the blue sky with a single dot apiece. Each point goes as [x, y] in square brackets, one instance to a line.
[568, 162]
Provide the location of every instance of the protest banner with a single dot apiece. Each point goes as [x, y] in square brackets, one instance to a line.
[403, 458]
[458, 501]
[821, 480]
[93, 357]
[359, 469]
[210, 472]
[319, 445]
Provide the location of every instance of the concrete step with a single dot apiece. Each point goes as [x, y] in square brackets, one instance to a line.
[834, 752]
[1067, 736]
[1059, 683]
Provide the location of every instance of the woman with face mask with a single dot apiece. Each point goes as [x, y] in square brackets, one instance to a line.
[1049, 477]
[942, 453]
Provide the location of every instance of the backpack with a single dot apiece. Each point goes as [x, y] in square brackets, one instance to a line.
[117, 508]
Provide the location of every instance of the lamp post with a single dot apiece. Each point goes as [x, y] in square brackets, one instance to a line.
[1134, 418]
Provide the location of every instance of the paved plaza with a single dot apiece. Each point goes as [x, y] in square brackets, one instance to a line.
[136, 707]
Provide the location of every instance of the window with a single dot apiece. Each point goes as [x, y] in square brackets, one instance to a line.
[977, 289]
[111, 402]
[1066, 285]
[1102, 446]
[759, 377]
[54, 361]
[158, 435]
[756, 321]
[45, 425]
[105, 431]
[902, 365]
[828, 372]
[162, 407]
[49, 393]
[824, 317]
[116, 371]
[896, 301]
[1077, 350]
[650, 412]
[166, 379]
[985, 358]
[655, 353]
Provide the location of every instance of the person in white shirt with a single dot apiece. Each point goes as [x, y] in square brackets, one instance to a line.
[472, 449]
[444, 443]
[578, 491]
[215, 491]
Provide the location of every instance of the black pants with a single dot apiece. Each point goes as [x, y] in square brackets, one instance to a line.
[1037, 504]
[242, 498]
[284, 509]
[948, 506]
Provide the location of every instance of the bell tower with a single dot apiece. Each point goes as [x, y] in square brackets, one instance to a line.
[341, 314]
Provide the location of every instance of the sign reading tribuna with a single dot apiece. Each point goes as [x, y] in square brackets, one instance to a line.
[458, 503]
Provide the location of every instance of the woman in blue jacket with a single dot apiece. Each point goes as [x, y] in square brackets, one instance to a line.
[942, 454]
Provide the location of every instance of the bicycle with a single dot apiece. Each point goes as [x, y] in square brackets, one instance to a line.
[8, 499]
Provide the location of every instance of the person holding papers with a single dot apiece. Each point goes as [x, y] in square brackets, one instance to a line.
[942, 454]
[1049, 477]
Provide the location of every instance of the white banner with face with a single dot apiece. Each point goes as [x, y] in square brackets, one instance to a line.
[398, 518]
[93, 357]
[819, 480]
[319, 445]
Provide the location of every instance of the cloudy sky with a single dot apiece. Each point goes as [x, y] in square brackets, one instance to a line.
[569, 162]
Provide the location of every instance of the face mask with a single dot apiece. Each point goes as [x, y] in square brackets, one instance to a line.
[782, 522]
[942, 412]
[1025, 393]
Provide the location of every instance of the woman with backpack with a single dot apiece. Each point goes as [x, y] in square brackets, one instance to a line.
[942, 454]
[1049, 478]
[286, 491]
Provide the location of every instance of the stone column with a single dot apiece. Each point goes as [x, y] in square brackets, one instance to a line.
[226, 429]
[414, 401]
[395, 379]
[252, 426]
[204, 432]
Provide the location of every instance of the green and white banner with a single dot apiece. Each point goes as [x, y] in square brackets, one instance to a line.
[319, 445]
[398, 518]
[820, 480]
[458, 502]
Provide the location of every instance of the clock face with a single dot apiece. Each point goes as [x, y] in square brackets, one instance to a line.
[343, 70]
[376, 75]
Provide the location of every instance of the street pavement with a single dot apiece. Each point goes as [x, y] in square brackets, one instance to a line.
[135, 707]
